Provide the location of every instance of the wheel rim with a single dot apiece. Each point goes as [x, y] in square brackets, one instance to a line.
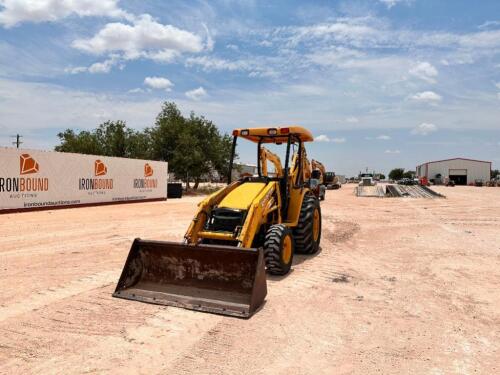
[286, 254]
[316, 225]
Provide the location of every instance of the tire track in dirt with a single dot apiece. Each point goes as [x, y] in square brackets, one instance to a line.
[56, 246]
[280, 324]
[154, 339]
[49, 296]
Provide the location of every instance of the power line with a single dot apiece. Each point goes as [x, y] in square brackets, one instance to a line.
[18, 141]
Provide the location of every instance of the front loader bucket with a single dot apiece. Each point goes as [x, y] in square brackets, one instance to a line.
[218, 279]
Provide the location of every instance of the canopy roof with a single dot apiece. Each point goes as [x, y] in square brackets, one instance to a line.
[274, 134]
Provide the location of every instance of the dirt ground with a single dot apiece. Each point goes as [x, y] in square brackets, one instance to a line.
[401, 285]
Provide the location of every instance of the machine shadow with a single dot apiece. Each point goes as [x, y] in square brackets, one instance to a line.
[297, 259]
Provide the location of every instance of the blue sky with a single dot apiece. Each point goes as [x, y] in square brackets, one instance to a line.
[381, 83]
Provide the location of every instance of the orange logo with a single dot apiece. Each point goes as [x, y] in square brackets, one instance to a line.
[148, 170]
[100, 168]
[27, 164]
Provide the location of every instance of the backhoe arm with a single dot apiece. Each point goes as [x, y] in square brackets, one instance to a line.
[266, 155]
[316, 165]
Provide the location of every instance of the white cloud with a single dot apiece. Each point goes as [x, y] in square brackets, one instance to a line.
[483, 39]
[390, 3]
[334, 56]
[489, 24]
[158, 83]
[213, 63]
[351, 31]
[197, 94]
[322, 138]
[162, 56]
[96, 68]
[427, 97]
[392, 152]
[338, 140]
[233, 47]
[255, 68]
[384, 137]
[209, 42]
[101, 67]
[137, 90]
[424, 71]
[424, 129]
[76, 69]
[325, 138]
[18, 11]
[54, 107]
[362, 33]
[307, 89]
[352, 120]
[144, 38]
[497, 85]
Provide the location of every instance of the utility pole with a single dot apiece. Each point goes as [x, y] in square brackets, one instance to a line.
[18, 141]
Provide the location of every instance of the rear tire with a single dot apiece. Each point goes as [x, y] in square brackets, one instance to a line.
[307, 233]
[278, 249]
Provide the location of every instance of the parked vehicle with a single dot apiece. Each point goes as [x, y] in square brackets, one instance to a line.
[449, 182]
[367, 179]
[317, 182]
[424, 181]
[408, 181]
[332, 181]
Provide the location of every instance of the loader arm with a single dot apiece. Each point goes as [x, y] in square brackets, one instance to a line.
[204, 208]
[267, 202]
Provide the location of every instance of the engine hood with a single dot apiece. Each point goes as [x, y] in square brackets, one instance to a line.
[242, 197]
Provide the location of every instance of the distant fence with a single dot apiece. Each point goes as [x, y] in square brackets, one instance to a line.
[31, 179]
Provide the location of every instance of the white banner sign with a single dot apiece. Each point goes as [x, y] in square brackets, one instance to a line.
[33, 179]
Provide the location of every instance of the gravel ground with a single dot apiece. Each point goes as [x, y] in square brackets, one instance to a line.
[400, 286]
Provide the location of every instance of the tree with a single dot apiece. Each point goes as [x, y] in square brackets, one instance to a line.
[494, 173]
[381, 176]
[111, 138]
[169, 125]
[193, 146]
[396, 174]
[409, 174]
[138, 144]
[214, 147]
[83, 142]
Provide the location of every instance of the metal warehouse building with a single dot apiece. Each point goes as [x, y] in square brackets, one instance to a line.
[462, 171]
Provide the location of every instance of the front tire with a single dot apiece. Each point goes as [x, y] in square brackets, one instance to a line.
[278, 249]
[307, 233]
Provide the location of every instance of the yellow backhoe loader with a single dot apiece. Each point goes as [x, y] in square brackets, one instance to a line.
[318, 176]
[252, 224]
